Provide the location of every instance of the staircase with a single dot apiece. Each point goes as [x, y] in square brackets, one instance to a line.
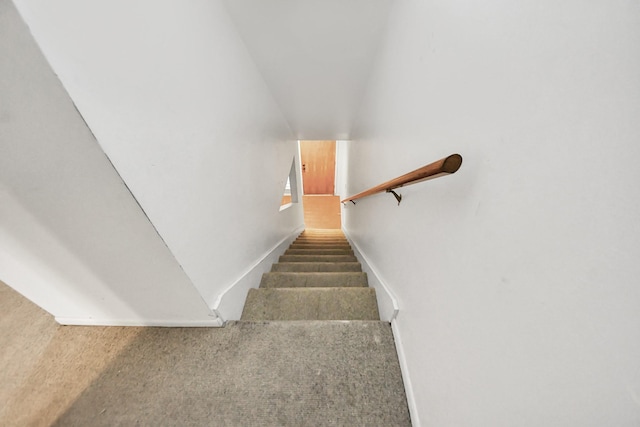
[338, 363]
[317, 278]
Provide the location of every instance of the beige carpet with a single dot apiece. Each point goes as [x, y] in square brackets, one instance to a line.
[248, 373]
[45, 367]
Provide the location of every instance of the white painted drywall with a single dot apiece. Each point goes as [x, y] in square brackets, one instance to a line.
[342, 168]
[178, 106]
[72, 237]
[230, 302]
[315, 56]
[517, 277]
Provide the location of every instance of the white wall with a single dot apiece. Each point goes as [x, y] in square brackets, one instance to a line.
[178, 106]
[517, 277]
[342, 168]
[72, 238]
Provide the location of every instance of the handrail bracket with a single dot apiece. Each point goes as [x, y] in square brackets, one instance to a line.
[396, 195]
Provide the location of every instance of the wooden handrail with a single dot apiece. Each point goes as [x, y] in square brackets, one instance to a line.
[445, 166]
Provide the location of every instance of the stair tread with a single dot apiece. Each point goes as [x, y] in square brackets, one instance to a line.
[324, 238]
[318, 252]
[311, 304]
[316, 266]
[313, 279]
[320, 242]
[320, 245]
[321, 239]
[318, 258]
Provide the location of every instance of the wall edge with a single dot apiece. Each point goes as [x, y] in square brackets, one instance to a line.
[378, 282]
[226, 304]
[79, 321]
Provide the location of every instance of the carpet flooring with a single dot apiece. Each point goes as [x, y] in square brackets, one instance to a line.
[245, 374]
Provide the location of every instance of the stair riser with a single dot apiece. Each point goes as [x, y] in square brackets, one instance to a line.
[311, 304]
[316, 266]
[313, 280]
[318, 258]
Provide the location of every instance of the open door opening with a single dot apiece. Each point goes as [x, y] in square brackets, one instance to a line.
[290, 193]
[321, 205]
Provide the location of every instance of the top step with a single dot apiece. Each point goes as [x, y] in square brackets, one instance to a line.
[322, 236]
[322, 231]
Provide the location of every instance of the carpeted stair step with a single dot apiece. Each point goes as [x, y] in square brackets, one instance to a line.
[320, 242]
[316, 266]
[318, 252]
[320, 246]
[318, 258]
[324, 238]
[311, 304]
[329, 354]
[321, 232]
[313, 279]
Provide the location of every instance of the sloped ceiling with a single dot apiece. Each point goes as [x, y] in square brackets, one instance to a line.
[315, 56]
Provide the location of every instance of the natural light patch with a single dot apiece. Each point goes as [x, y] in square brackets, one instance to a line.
[290, 194]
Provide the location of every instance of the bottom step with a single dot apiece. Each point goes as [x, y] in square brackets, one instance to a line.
[311, 304]
[311, 374]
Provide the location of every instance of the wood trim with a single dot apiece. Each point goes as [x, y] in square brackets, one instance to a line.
[444, 166]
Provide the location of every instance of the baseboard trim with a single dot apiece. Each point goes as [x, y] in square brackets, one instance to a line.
[389, 310]
[389, 304]
[229, 303]
[406, 378]
[204, 323]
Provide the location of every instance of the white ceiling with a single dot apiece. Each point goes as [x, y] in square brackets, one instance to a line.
[315, 56]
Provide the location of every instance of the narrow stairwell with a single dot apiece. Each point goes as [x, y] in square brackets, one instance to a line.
[317, 278]
[339, 364]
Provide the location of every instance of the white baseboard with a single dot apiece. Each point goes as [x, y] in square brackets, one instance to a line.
[389, 310]
[229, 304]
[406, 378]
[387, 302]
[215, 322]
